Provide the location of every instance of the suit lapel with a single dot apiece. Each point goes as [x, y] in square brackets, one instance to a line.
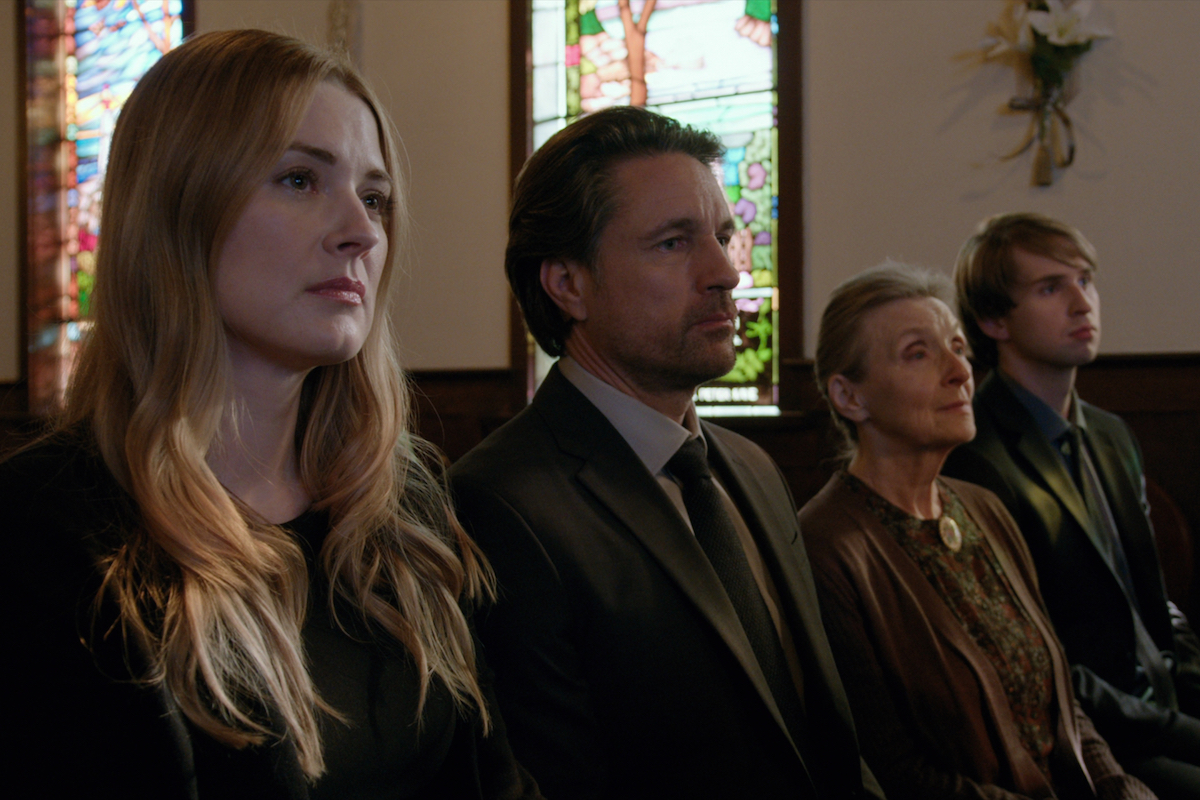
[612, 472]
[1044, 461]
[1124, 497]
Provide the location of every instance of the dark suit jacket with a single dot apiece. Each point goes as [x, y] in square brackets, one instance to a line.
[1086, 599]
[620, 664]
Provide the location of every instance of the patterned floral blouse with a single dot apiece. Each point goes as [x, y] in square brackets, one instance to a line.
[973, 586]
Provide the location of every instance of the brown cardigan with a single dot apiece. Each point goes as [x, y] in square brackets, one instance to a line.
[930, 710]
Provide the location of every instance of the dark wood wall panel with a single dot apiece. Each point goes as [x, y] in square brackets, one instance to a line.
[1158, 395]
[456, 410]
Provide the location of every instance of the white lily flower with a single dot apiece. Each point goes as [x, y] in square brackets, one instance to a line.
[1010, 34]
[1067, 25]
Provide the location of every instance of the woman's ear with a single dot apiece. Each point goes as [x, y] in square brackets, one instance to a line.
[847, 400]
[565, 282]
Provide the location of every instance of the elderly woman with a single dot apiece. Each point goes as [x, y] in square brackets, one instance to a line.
[958, 685]
[230, 571]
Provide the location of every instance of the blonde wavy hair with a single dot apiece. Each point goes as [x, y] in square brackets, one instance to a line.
[215, 596]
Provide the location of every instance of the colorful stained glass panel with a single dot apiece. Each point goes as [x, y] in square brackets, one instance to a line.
[83, 58]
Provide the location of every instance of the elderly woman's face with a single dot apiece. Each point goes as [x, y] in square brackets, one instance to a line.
[918, 386]
[297, 277]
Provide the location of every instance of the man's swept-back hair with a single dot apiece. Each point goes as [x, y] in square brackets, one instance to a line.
[985, 274]
[215, 595]
[841, 341]
[564, 198]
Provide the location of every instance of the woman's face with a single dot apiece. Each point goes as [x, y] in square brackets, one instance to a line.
[297, 277]
[918, 386]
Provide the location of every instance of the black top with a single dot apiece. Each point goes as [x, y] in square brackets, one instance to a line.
[87, 729]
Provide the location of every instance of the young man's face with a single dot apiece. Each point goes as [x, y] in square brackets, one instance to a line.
[1056, 319]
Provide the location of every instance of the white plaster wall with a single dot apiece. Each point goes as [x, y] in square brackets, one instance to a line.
[304, 19]
[441, 66]
[902, 144]
[900, 156]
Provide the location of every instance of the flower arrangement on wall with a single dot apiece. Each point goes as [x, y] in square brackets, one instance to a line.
[1043, 41]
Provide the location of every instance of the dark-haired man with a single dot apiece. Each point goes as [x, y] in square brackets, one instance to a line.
[1071, 475]
[656, 633]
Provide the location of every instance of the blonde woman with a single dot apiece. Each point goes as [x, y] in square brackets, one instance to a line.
[232, 573]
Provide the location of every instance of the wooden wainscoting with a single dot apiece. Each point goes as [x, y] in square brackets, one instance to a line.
[1158, 395]
[457, 409]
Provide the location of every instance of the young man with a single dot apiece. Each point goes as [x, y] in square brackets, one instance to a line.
[1071, 475]
[657, 632]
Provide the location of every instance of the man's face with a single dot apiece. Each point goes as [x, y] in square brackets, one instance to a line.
[1056, 319]
[656, 306]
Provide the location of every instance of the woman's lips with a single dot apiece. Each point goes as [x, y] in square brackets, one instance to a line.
[343, 290]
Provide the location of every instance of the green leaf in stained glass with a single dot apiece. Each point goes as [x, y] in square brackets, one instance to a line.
[759, 9]
[589, 24]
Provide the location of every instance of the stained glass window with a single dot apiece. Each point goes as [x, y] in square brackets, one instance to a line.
[83, 58]
[710, 64]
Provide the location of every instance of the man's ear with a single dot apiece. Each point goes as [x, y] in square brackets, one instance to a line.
[995, 328]
[564, 281]
[846, 399]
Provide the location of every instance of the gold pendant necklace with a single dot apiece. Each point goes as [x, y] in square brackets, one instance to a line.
[950, 534]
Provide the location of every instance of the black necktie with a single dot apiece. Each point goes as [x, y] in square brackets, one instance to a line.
[718, 538]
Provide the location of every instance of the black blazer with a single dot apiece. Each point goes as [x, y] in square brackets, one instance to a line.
[1086, 599]
[621, 668]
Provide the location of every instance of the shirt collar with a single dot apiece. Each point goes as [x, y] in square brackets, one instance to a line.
[653, 436]
[1049, 422]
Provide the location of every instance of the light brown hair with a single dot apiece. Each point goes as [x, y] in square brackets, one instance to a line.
[984, 273]
[215, 595]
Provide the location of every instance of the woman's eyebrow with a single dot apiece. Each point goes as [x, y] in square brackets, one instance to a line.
[320, 154]
[326, 157]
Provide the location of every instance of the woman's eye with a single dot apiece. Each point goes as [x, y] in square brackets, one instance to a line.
[300, 180]
[377, 201]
